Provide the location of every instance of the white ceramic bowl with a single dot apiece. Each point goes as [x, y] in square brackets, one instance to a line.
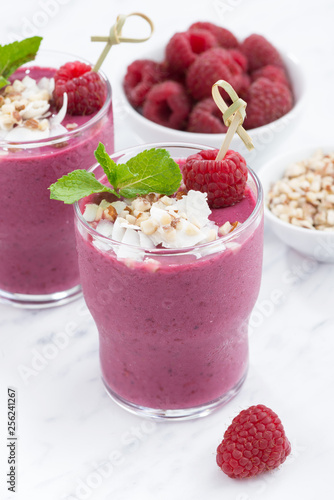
[263, 137]
[318, 245]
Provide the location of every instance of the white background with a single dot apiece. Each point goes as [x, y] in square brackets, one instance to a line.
[74, 443]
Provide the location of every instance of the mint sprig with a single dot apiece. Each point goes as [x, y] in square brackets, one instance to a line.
[151, 171]
[13, 55]
[76, 185]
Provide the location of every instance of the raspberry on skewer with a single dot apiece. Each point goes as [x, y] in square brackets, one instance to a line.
[221, 174]
[85, 88]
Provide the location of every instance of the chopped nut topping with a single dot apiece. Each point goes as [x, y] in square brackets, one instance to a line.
[166, 200]
[168, 222]
[175, 223]
[71, 126]
[131, 219]
[43, 124]
[148, 227]
[24, 106]
[19, 106]
[141, 204]
[142, 216]
[166, 219]
[153, 197]
[228, 227]
[17, 117]
[304, 195]
[181, 192]
[31, 123]
[110, 213]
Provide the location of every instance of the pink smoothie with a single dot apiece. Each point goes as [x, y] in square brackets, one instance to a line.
[175, 337]
[37, 243]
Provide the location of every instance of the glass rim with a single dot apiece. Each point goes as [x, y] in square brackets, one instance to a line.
[174, 251]
[70, 133]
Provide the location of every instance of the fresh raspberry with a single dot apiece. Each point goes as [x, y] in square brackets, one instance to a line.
[239, 58]
[141, 75]
[260, 52]
[224, 181]
[242, 84]
[183, 48]
[214, 64]
[267, 101]
[224, 37]
[255, 442]
[206, 118]
[169, 74]
[168, 104]
[86, 91]
[273, 73]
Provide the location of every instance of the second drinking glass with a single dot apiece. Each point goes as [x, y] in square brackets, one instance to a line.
[38, 258]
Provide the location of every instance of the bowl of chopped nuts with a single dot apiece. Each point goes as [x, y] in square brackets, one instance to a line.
[299, 200]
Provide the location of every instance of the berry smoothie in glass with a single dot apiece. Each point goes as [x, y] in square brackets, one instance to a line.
[171, 284]
[40, 140]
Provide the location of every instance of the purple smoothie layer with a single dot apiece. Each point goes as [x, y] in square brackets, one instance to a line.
[37, 243]
[175, 337]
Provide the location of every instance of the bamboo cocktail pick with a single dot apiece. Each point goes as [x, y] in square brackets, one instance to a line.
[233, 116]
[115, 36]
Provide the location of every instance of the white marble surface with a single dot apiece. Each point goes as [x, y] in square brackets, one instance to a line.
[73, 442]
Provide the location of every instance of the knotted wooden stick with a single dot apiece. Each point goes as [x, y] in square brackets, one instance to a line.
[115, 36]
[233, 116]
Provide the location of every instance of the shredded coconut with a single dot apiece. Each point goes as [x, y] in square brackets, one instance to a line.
[154, 221]
[25, 111]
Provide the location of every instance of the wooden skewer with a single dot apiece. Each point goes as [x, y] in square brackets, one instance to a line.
[115, 36]
[233, 116]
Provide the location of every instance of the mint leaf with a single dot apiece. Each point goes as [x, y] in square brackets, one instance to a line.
[108, 165]
[3, 81]
[13, 55]
[151, 171]
[76, 185]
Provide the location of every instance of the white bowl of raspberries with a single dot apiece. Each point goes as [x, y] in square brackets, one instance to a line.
[168, 97]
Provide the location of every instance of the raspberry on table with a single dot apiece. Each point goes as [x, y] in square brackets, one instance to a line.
[206, 118]
[167, 104]
[267, 101]
[86, 91]
[225, 38]
[273, 73]
[183, 48]
[140, 77]
[224, 181]
[259, 52]
[215, 64]
[255, 442]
